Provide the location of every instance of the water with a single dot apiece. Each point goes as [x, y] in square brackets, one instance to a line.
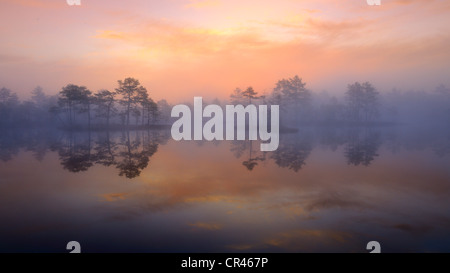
[323, 190]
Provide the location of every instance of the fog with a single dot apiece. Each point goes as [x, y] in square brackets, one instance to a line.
[81, 125]
[349, 168]
[130, 107]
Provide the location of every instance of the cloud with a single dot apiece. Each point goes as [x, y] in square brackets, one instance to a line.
[206, 226]
[298, 240]
[203, 4]
[212, 52]
[37, 3]
[166, 39]
[404, 2]
[241, 247]
[413, 229]
[113, 197]
[110, 34]
[6, 58]
[331, 200]
[337, 31]
[308, 234]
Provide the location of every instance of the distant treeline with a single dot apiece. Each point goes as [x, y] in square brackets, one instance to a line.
[75, 106]
[361, 104]
[130, 106]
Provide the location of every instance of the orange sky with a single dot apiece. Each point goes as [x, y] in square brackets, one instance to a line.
[181, 48]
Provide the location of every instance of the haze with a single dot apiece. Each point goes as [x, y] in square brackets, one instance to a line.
[180, 49]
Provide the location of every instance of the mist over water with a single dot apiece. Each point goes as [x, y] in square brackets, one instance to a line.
[103, 169]
[324, 189]
[356, 147]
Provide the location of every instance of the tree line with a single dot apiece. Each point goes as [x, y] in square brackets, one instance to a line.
[130, 100]
[75, 106]
[131, 106]
[361, 104]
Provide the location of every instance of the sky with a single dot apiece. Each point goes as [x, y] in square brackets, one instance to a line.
[184, 48]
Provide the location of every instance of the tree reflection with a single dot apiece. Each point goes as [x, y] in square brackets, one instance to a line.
[134, 154]
[238, 148]
[362, 147]
[442, 146]
[75, 152]
[130, 153]
[9, 145]
[253, 159]
[105, 150]
[293, 151]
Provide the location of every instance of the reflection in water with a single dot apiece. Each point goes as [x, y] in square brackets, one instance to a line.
[293, 151]
[362, 147]
[75, 153]
[105, 150]
[442, 146]
[323, 189]
[130, 151]
[239, 147]
[9, 145]
[134, 154]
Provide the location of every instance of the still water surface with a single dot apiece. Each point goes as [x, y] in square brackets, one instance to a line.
[323, 190]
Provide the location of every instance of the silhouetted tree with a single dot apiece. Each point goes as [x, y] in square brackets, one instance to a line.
[74, 98]
[104, 100]
[86, 101]
[143, 100]
[237, 97]
[38, 96]
[151, 108]
[8, 103]
[250, 94]
[292, 96]
[164, 110]
[362, 102]
[131, 92]
[41, 105]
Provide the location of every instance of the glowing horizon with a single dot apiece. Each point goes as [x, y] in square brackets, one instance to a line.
[180, 49]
